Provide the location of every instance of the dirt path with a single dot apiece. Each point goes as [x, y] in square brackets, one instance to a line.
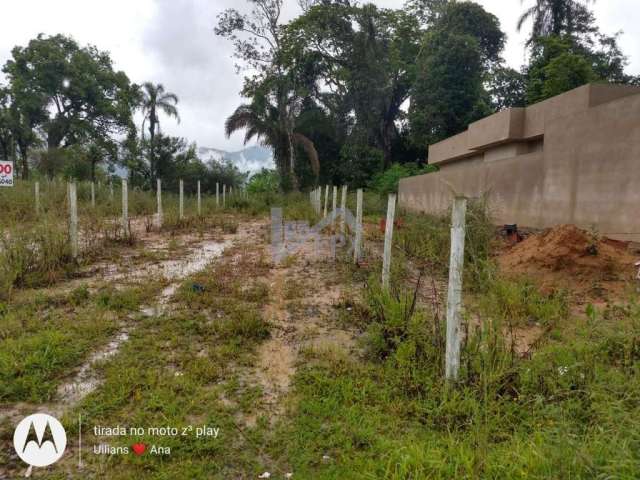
[304, 293]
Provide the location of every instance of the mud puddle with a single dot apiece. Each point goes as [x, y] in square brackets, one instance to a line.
[86, 379]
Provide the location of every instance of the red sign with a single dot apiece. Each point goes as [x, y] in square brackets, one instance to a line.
[6, 174]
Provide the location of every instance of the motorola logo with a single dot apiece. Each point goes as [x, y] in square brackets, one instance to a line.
[40, 440]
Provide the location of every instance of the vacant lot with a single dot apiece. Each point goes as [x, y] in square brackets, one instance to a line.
[232, 365]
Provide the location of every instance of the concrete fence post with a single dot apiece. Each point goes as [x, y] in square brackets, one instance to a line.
[454, 294]
[334, 203]
[319, 200]
[125, 208]
[388, 240]
[199, 200]
[37, 195]
[159, 200]
[73, 218]
[93, 195]
[111, 189]
[181, 209]
[357, 246]
[326, 199]
[224, 196]
[217, 194]
[343, 207]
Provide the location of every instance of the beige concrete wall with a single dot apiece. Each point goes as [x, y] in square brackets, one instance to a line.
[587, 171]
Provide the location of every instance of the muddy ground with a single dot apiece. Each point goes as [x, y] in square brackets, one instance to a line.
[300, 311]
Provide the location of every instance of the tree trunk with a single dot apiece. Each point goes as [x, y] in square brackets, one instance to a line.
[386, 148]
[5, 144]
[152, 136]
[292, 163]
[25, 163]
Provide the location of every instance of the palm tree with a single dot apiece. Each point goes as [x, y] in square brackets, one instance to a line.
[155, 100]
[266, 125]
[552, 17]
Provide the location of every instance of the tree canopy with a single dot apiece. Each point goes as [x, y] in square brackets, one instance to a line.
[341, 92]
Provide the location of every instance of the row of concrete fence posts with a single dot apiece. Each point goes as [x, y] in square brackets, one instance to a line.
[357, 246]
[454, 294]
[159, 200]
[37, 193]
[456, 264]
[125, 208]
[181, 208]
[388, 240]
[73, 218]
[199, 200]
[93, 195]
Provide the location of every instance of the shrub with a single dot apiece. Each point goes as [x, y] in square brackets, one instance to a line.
[33, 256]
[265, 181]
[426, 240]
[358, 163]
[387, 182]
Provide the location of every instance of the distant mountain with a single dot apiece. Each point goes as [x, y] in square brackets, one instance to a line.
[250, 159]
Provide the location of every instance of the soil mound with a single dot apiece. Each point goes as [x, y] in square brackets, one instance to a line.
[568, 257]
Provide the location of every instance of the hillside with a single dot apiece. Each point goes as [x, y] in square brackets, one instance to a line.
[251, 159]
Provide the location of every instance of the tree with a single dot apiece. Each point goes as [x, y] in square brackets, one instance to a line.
[98, 152]
[449, 93]
[568, 50]
[155, 100]
[76, 89]
[24, 113]
[555, 17]
[507, 88]
[366, 57]
[458, 55]
[261, 120]
[427, 11]
[556, 68]
[6, 134]
[274, 86]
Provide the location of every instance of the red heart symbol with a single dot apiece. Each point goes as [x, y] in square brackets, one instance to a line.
[139, 448]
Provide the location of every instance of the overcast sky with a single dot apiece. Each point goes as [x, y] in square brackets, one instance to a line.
[172, 42]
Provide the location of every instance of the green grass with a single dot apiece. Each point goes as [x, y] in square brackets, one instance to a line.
[174, 371]
[572, 411]
[46, 335]
[569, 410]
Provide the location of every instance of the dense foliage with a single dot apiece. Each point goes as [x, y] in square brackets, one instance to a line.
[368, 87]
[341, 93]
[67, 113]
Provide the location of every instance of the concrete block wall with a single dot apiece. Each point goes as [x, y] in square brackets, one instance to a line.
[581, 165]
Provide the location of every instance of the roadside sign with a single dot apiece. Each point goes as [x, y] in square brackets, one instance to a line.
[6, 174]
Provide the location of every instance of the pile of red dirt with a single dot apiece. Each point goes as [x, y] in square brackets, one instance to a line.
[568, 257]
